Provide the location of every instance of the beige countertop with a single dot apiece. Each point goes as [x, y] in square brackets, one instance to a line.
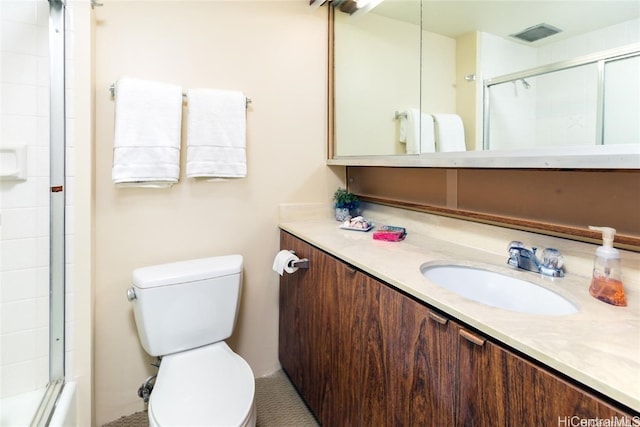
[598, 346]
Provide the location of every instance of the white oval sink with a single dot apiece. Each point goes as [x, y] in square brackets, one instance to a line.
[498, 290]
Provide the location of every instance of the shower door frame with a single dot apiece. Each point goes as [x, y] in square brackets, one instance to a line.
[599, 58]
[57, 149]
[57, 115]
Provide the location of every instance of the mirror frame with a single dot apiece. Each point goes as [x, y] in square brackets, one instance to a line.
[615, 156]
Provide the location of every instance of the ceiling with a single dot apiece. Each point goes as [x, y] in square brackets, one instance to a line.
[504, 17]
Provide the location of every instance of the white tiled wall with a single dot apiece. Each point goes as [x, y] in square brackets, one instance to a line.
[24, 205]
[572, 122]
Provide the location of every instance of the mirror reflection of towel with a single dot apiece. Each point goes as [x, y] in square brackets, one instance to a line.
[419, 135]
[402, 131]
[449, 132]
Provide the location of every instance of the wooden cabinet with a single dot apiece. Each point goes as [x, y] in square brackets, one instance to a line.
[331, 339]
[498, 387]
[361, 353]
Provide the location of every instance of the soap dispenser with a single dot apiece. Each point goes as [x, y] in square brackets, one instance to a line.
[606, 284]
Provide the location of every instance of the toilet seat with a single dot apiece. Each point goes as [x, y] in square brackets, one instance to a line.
[206, 386]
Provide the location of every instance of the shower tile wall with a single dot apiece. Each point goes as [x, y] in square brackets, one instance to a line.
[24, 205]
[536, 116]
[572, 123]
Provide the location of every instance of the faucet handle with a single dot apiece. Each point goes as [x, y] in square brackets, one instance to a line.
[552, 258]
[552, 262]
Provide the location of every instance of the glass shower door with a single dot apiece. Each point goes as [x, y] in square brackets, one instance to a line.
[31, 280]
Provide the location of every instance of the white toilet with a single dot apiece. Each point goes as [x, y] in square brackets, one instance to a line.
[184, 311]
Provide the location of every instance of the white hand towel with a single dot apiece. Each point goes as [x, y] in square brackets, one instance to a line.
[413, 131]
[449, 132]
[402, 132]
[146, 146]
[419, 132]
[216, 134]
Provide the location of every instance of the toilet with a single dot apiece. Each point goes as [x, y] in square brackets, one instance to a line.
[184, 311]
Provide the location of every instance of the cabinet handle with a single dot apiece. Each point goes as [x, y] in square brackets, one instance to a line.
[351, 270]
[439, 319]
[475, 339]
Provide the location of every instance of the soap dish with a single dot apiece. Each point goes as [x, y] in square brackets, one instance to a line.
[345, 227]
[358, 223]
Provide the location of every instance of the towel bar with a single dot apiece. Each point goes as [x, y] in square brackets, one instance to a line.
[112, 91]
[397, 115]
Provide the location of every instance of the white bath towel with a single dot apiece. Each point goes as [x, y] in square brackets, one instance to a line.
[146, 146]
[418, 131]
[427, 134]
[449, 133]
[216, 134]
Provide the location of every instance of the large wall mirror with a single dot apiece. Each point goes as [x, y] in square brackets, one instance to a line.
[509, 83]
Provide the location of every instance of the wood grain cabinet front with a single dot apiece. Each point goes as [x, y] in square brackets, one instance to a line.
[361, 353]
[497, 387]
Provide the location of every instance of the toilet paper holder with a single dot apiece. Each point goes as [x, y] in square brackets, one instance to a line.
[299, 263]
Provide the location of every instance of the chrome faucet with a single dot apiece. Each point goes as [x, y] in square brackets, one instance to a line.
[526, 259]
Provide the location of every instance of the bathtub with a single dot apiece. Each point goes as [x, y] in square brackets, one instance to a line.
[18, 410]
[64, 414]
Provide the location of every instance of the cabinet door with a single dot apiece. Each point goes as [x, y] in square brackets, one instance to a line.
[308, 329]
[500, 388]
[364, 367]
[397, 365]
[332, 341]
[424, 371]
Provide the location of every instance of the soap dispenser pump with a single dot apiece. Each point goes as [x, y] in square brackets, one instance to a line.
[606, 283]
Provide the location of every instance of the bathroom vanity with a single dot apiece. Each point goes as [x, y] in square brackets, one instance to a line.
[368, 341]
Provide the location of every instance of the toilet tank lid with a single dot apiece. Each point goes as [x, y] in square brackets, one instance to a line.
[187, 271]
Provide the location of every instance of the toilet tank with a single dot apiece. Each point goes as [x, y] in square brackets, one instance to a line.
[187, 304]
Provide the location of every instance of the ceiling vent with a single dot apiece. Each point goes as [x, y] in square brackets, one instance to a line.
[536, 33]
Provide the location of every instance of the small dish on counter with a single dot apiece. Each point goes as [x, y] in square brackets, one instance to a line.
[357, 223]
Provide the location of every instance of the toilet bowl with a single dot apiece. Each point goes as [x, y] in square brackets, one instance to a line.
[207, 386]
[184, 311]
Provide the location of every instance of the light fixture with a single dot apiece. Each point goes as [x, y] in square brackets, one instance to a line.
[316, 3]
[364, 6]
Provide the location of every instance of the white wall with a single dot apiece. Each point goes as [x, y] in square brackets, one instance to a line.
[438, 73]
[70, 185]
[377, 63]
[24, 234]
[274, 51]
[80, 332]
[382, 75]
